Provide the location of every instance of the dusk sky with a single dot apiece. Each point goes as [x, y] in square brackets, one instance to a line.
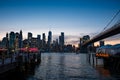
[73, 17]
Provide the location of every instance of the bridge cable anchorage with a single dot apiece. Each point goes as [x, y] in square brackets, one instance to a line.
[111, 20]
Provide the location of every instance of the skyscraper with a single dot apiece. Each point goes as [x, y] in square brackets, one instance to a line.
[20, 39]
[44, 38]
[7, 43]
[62, 38]
[16, 40]
[29, 35]
[39, 37]
[29, 39]
[12, 40]
[49, 37]
[49, 40]
[61, 41]
[43, 41]
[39, 41]
[4, 42]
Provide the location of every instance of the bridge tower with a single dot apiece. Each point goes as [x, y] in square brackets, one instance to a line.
[84, 49]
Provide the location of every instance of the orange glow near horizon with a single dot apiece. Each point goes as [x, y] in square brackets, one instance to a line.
[69, 41]
[3, 34]
[112, 42]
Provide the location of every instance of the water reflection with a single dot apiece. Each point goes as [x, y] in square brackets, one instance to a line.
[103, 71]
[62, 66]
[65, 67]
[20, 73]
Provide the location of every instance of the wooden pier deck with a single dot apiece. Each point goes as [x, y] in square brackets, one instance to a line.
[18, 60]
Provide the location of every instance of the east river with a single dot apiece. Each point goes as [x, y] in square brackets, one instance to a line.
[64, 66]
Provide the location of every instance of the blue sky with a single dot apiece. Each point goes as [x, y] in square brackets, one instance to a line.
[73, 17]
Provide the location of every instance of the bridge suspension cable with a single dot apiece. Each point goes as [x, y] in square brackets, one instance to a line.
[111, 20]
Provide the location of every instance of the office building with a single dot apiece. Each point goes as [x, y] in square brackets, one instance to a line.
[29, 39]
[43, 41]
[12, 40]
[61, 41]
[16, 40]
[49, 40]
[20, 39]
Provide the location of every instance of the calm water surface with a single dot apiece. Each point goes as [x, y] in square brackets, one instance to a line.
[63, 66]
[67, 66]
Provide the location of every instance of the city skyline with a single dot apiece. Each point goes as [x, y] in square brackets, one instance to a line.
[75, 18]
[15, 41]
[48, 38]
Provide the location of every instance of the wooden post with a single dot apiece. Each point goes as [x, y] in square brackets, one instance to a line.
[3, 57]
[3, 60]
[93, 58]
[96, 60]
[89, 57]
[11, 58]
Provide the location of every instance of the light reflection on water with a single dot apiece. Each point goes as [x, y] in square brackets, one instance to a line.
[65, 66]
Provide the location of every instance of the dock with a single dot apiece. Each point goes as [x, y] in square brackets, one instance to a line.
[18, 60]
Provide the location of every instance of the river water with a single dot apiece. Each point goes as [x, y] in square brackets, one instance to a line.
[67, 66]
[64, 66]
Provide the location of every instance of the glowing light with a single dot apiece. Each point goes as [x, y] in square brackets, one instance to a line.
[102, 55]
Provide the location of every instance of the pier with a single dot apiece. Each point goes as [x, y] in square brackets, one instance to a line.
[18, 60]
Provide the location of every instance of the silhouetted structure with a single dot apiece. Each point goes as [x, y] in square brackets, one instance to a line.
[115, 29]
[29, 39]
[43, 42]
[12, 40]
[39, 41]
[83, 49]
[101, 43]
[61, 41]
[15, 41]
[49, 41]
[20, 39]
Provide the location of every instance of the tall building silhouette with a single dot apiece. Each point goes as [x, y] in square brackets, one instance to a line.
[49, 37]
[7, 44]
[29, 35]
[61, 41]
[43, 41]
[4, 42]
[49, 40]
[39, 37]
[20, 39]
[29, 39]
[39, 41]
[16, 40]
[34, 42]
[12, 40]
